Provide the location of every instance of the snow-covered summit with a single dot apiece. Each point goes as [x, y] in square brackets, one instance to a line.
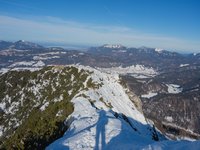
[115, 46]
[159, 50]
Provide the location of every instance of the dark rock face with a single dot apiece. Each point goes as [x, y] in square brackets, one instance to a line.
[175, 114]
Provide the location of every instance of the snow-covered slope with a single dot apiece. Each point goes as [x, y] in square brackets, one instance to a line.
[138, 71]
[105, 118]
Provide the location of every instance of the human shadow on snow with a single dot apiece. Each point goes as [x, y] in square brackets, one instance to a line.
[100, 130]
[130, 132]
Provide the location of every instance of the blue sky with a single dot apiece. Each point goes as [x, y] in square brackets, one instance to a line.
[168, 24]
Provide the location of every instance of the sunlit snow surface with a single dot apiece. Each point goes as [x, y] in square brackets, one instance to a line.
[149, 95]
[137, 71]
[95, 126]
[184, 65]
[24, 65]
[174, 88]
[159, 50]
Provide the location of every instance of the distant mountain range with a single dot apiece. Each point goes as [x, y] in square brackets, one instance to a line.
[21, 44]
[103, 56]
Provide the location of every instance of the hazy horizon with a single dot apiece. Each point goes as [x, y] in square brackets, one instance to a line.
[85, 47]
[172, 25]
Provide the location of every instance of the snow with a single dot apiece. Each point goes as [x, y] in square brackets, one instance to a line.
[2, 106]
[136, 70]
[43, 107]
[174, 88]
[44, 57]
[59, 99]
[49, 53]
[174, 145]
[94, 129]
[59, 113]
[81, 53]
[94, 122]
[119, 51]
[179, 127]
[39, 64]
[24, 68]
[22, 63]
[112, 46]
[88, 120]
[158, 50]
[149, 95]
[140, 76]
[63, 52]
[169, 118]
[184, 65]
[70, 91]
[4, 70]
[186, 139]
[13, 108]
[95, 125]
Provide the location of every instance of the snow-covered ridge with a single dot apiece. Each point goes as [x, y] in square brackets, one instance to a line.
[94, 117]
[105, 118]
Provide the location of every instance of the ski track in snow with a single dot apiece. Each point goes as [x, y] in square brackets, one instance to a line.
[95, 126]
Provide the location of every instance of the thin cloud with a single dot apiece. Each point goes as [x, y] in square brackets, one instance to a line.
[20, 5]
[53, 29]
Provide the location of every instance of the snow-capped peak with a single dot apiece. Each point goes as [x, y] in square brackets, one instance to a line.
[158, 50]
[113, 46]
